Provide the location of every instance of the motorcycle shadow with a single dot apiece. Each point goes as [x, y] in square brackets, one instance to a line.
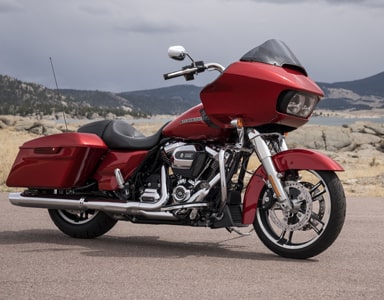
[134, 246]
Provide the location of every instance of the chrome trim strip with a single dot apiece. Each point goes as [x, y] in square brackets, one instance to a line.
[223, 180]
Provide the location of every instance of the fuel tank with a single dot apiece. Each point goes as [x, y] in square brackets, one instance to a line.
[194, 124]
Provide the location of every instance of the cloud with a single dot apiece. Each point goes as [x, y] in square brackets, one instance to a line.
[368, 3]
[10, 6]
[150, 28]
[94, 10]
[122, 45]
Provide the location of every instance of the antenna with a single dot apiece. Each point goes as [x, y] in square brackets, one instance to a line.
[58, 92]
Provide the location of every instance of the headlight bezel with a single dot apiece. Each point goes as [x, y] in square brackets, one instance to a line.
[297, 103]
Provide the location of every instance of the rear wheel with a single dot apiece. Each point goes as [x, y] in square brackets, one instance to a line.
[314, 222]
[82, 224]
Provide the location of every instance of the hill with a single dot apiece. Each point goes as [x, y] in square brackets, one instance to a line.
[169, 100]
[367, 93]
[22, 98]
[17, 97]
[373, 85]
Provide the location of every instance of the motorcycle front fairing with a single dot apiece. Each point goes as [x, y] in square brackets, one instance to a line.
[250, 88]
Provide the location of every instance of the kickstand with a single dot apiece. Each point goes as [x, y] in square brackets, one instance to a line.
[231, 229]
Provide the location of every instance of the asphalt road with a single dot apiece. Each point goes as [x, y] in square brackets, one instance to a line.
[165, 262]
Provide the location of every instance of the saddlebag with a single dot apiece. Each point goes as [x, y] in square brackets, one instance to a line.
[57, 161]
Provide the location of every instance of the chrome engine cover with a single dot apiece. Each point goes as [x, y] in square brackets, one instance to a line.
[183, 157]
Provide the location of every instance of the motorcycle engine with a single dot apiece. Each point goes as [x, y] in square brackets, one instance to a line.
[188, 162]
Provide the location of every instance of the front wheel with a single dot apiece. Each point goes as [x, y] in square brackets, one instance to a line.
[313, 223]
[82, 224]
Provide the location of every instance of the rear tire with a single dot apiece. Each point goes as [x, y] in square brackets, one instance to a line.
[316, 221]
[82, 224]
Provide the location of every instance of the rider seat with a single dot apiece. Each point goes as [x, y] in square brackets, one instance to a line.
[119, 134]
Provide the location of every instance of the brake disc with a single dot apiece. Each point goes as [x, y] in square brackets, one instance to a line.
[299, 215]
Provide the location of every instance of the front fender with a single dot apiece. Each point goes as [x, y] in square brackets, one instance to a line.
[295, 159]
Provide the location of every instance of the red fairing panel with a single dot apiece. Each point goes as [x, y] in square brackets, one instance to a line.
[56, 161]
[249, 90]
[191, 126]
[127, 162]
[295, 159]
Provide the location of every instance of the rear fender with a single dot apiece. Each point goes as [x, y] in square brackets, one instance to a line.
[295, 159]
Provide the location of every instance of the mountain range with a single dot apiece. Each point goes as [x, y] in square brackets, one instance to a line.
[17, 97]
[367, 93]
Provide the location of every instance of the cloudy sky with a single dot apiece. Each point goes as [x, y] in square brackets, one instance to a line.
[121, 45]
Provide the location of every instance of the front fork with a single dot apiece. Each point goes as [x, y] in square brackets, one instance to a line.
[265, 157]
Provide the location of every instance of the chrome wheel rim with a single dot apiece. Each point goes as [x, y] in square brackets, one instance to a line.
[77, 217]
[306, 224]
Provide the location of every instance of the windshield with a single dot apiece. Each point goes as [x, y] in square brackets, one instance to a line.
[274, 52]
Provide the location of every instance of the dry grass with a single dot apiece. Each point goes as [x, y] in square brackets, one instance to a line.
[364, 173]
[10, 142]
[363, 176]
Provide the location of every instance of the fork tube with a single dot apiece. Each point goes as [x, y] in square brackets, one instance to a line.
[223, 178]
[264, 156]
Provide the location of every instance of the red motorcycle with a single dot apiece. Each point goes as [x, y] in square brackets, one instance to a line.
[195, 170]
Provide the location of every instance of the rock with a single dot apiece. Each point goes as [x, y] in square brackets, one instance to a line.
[363, 147]
[368, 130]
[36, 130]
[361, 138]
[376, 128]
[356, 127]
[380, 146]
[8, 120]
[110, 116]
[24, 124]
[50, 131]
[40, 127]
[336, 138]
[320, 138]
[307, 137]
[94, 116]
[352, 137]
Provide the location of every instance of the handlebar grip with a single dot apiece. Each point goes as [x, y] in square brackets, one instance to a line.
[196, 67]
[173, 75]
[184, 72]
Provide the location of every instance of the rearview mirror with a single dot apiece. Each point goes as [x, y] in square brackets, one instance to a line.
[177, 52]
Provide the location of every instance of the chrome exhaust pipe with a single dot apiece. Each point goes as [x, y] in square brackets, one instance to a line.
[133, 208]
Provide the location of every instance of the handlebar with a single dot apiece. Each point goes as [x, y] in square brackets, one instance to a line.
[180, 73]
[197, 67]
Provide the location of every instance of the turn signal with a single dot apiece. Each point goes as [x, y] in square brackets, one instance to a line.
[237, 123]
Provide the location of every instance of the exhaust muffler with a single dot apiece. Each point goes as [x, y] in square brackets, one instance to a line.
[128, 208]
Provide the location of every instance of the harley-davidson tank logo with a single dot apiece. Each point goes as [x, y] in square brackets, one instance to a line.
[192, 120]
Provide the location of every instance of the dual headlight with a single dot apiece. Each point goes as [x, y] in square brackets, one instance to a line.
[299, 104]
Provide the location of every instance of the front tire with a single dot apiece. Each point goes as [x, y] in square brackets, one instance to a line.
[315, 221]
[82, 224]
